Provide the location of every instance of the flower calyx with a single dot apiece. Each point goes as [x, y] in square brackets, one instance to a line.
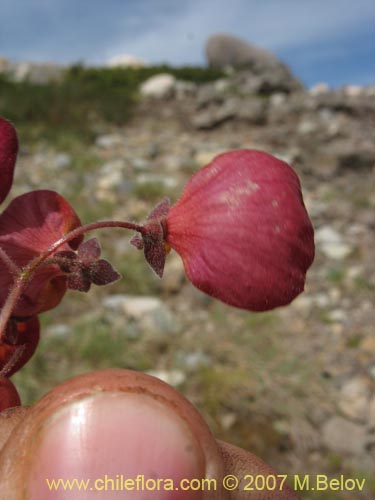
[85, 267]
[152, 238]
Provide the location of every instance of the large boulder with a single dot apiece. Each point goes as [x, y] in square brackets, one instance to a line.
[266, 69]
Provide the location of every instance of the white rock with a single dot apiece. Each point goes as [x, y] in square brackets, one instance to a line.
[331, 243]
[169, 182]
[171, 377]
[159, 86]
[109, 180]
[342, 436]
[228, 420]
[306, 127]
[278, 99]
[222, 85]
[126, 61]
[353, 90]
[319, 89]
[150, 313]
[133, 305]
[355, 399]
[62, 160]
[59, 330]
[195, 360]
[202, 158]
[109, 141]
[337, 316]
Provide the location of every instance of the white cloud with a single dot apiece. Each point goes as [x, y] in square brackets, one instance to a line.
[277, 25]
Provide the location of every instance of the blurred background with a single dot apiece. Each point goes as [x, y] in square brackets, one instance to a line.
[116, 105]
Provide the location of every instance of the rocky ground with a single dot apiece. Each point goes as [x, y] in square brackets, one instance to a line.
[295, 385]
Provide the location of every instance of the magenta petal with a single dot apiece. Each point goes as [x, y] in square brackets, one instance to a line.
[28, 226]
[243, 232]
[8, 155]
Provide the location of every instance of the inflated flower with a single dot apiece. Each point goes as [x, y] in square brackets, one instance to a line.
[8, 155]
[241, 229]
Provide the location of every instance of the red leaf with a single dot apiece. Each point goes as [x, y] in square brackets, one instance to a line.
[8, 155]
[243, 232]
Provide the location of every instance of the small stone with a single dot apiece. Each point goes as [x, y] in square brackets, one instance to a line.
[195, 360]
[319, 89]
[278, 99]
[171, 377]
[331, 243]
[228, 420]
[140, 164]
[202, 158]
[150, 313]
[353, 90]
[337, 316]
[174, 274]
[342, 436]
[58, 330]
[169, 182]
[355, 399]
[109, 180]
[62, 160]
[109, 141]
[307, 127]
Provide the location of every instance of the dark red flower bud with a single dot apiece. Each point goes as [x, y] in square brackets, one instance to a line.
[8, 394]
[243, 232]
[28, 226]
[18, 344]
[8, 155]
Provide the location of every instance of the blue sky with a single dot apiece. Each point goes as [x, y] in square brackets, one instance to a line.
[321, 40]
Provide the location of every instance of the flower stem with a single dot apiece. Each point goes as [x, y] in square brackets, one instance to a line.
[24, 275]
[78, 232]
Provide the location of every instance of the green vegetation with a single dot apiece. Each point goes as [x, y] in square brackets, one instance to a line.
[83, 99]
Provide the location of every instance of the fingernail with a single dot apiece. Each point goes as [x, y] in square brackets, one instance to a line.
[114, 445]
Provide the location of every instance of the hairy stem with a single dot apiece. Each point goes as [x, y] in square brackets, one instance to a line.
[26, 273]
[78, 232]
